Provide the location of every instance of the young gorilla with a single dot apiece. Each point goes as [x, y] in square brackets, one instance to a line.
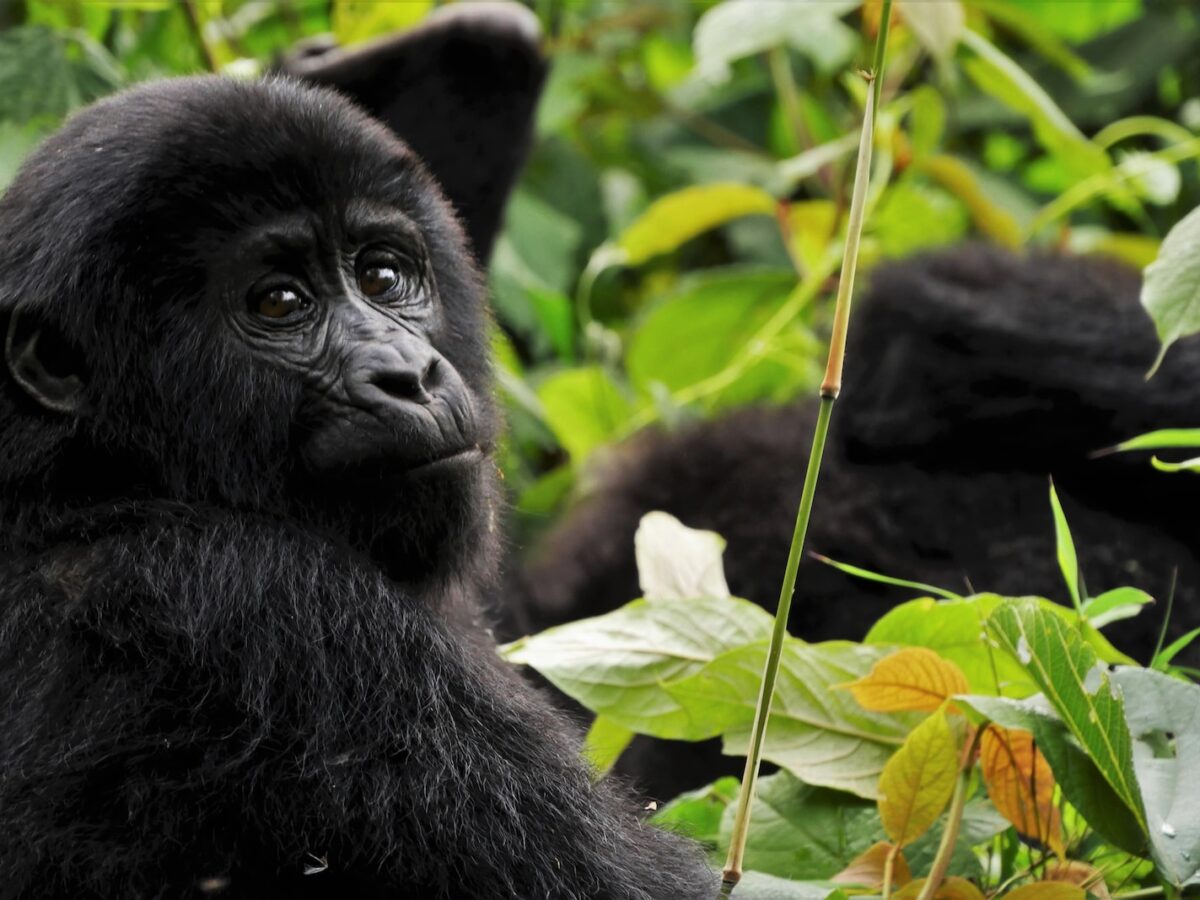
[972, 376]
[245, 501]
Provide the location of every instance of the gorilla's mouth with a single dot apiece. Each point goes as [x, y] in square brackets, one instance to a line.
[465, 457]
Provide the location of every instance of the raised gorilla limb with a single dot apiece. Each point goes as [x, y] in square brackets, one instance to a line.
[461, 89]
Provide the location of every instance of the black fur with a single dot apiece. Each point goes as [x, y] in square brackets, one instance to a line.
[215, 667]
[972, 377]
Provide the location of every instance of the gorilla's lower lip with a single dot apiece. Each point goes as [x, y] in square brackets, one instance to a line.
[458, 457]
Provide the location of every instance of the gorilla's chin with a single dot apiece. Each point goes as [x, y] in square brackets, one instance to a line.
[426, 521]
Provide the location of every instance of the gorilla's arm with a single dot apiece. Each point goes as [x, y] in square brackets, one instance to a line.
[171, 664]
[461, 90]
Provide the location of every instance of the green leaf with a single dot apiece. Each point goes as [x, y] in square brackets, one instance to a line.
[1171, 286]
[676, 218]
[1078, 686]
[584, 408]
[1068, 560]
[360, 20]
[1163, 658]
[699, 331]
[618, 664]
[739, 28]
[698, 814]
[913, 216]
[1081, 781]
[867, 575]
[675, 562]
[803, 832]
[46, 74]
[1166, 438]
[996, 74]
[980, 823]
[820, 735]
[1114, 605]
[604, 743]
[1163, 715]
[1187, 465]
[918, 780]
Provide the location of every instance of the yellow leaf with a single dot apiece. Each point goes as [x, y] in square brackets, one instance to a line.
[681, 216]
[811, 224]
[1046, 890]
[1021, 785]
[918, 780]
[1079, 873]
[952, 888]
[867, 868]
[914, 678]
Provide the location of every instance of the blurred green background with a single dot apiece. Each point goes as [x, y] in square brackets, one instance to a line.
[671, 248]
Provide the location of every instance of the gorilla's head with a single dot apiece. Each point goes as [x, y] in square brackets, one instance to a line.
[245, 294]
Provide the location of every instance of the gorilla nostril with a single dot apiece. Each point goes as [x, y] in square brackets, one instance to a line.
[402, 384]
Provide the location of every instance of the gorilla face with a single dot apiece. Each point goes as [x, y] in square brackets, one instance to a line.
[256, 297]
[347, 304]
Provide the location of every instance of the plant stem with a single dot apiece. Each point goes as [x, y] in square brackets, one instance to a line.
[192, 14]
[829, 392]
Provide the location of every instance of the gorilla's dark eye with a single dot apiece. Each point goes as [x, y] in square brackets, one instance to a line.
[379, 274]
[278, 303]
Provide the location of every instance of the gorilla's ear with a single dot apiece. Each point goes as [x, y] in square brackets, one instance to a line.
[43, 364]
[461, 90]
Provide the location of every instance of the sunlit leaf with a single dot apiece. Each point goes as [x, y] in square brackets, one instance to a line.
[867, 575]
[604, 743]
[616, 664]
[867, 869]
[914, 679]
[1167, 438]
[1115, 605]
[820, 735]
[676, 218]
[698, 813]
[918, 780]
[1171, 284]
[1021, 785]
[991, 219]
[739, 28]
[675, 562]
[360, 20]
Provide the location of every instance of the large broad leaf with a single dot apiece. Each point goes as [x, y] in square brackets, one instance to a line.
[739, 28]
[676, 218]
[1078, 686]
[760, 886]
[1076, 773]
[46, 73]
[911, 679]
[699, 813]
[616, 664]
[1171, 285]
[804, 832]
[1164, 717]
[820, 735]
[1020, 784]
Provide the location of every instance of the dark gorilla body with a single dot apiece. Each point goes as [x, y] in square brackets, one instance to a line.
[971, 377]
[244, 522]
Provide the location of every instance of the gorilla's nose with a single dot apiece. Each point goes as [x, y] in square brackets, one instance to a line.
[413, 380]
